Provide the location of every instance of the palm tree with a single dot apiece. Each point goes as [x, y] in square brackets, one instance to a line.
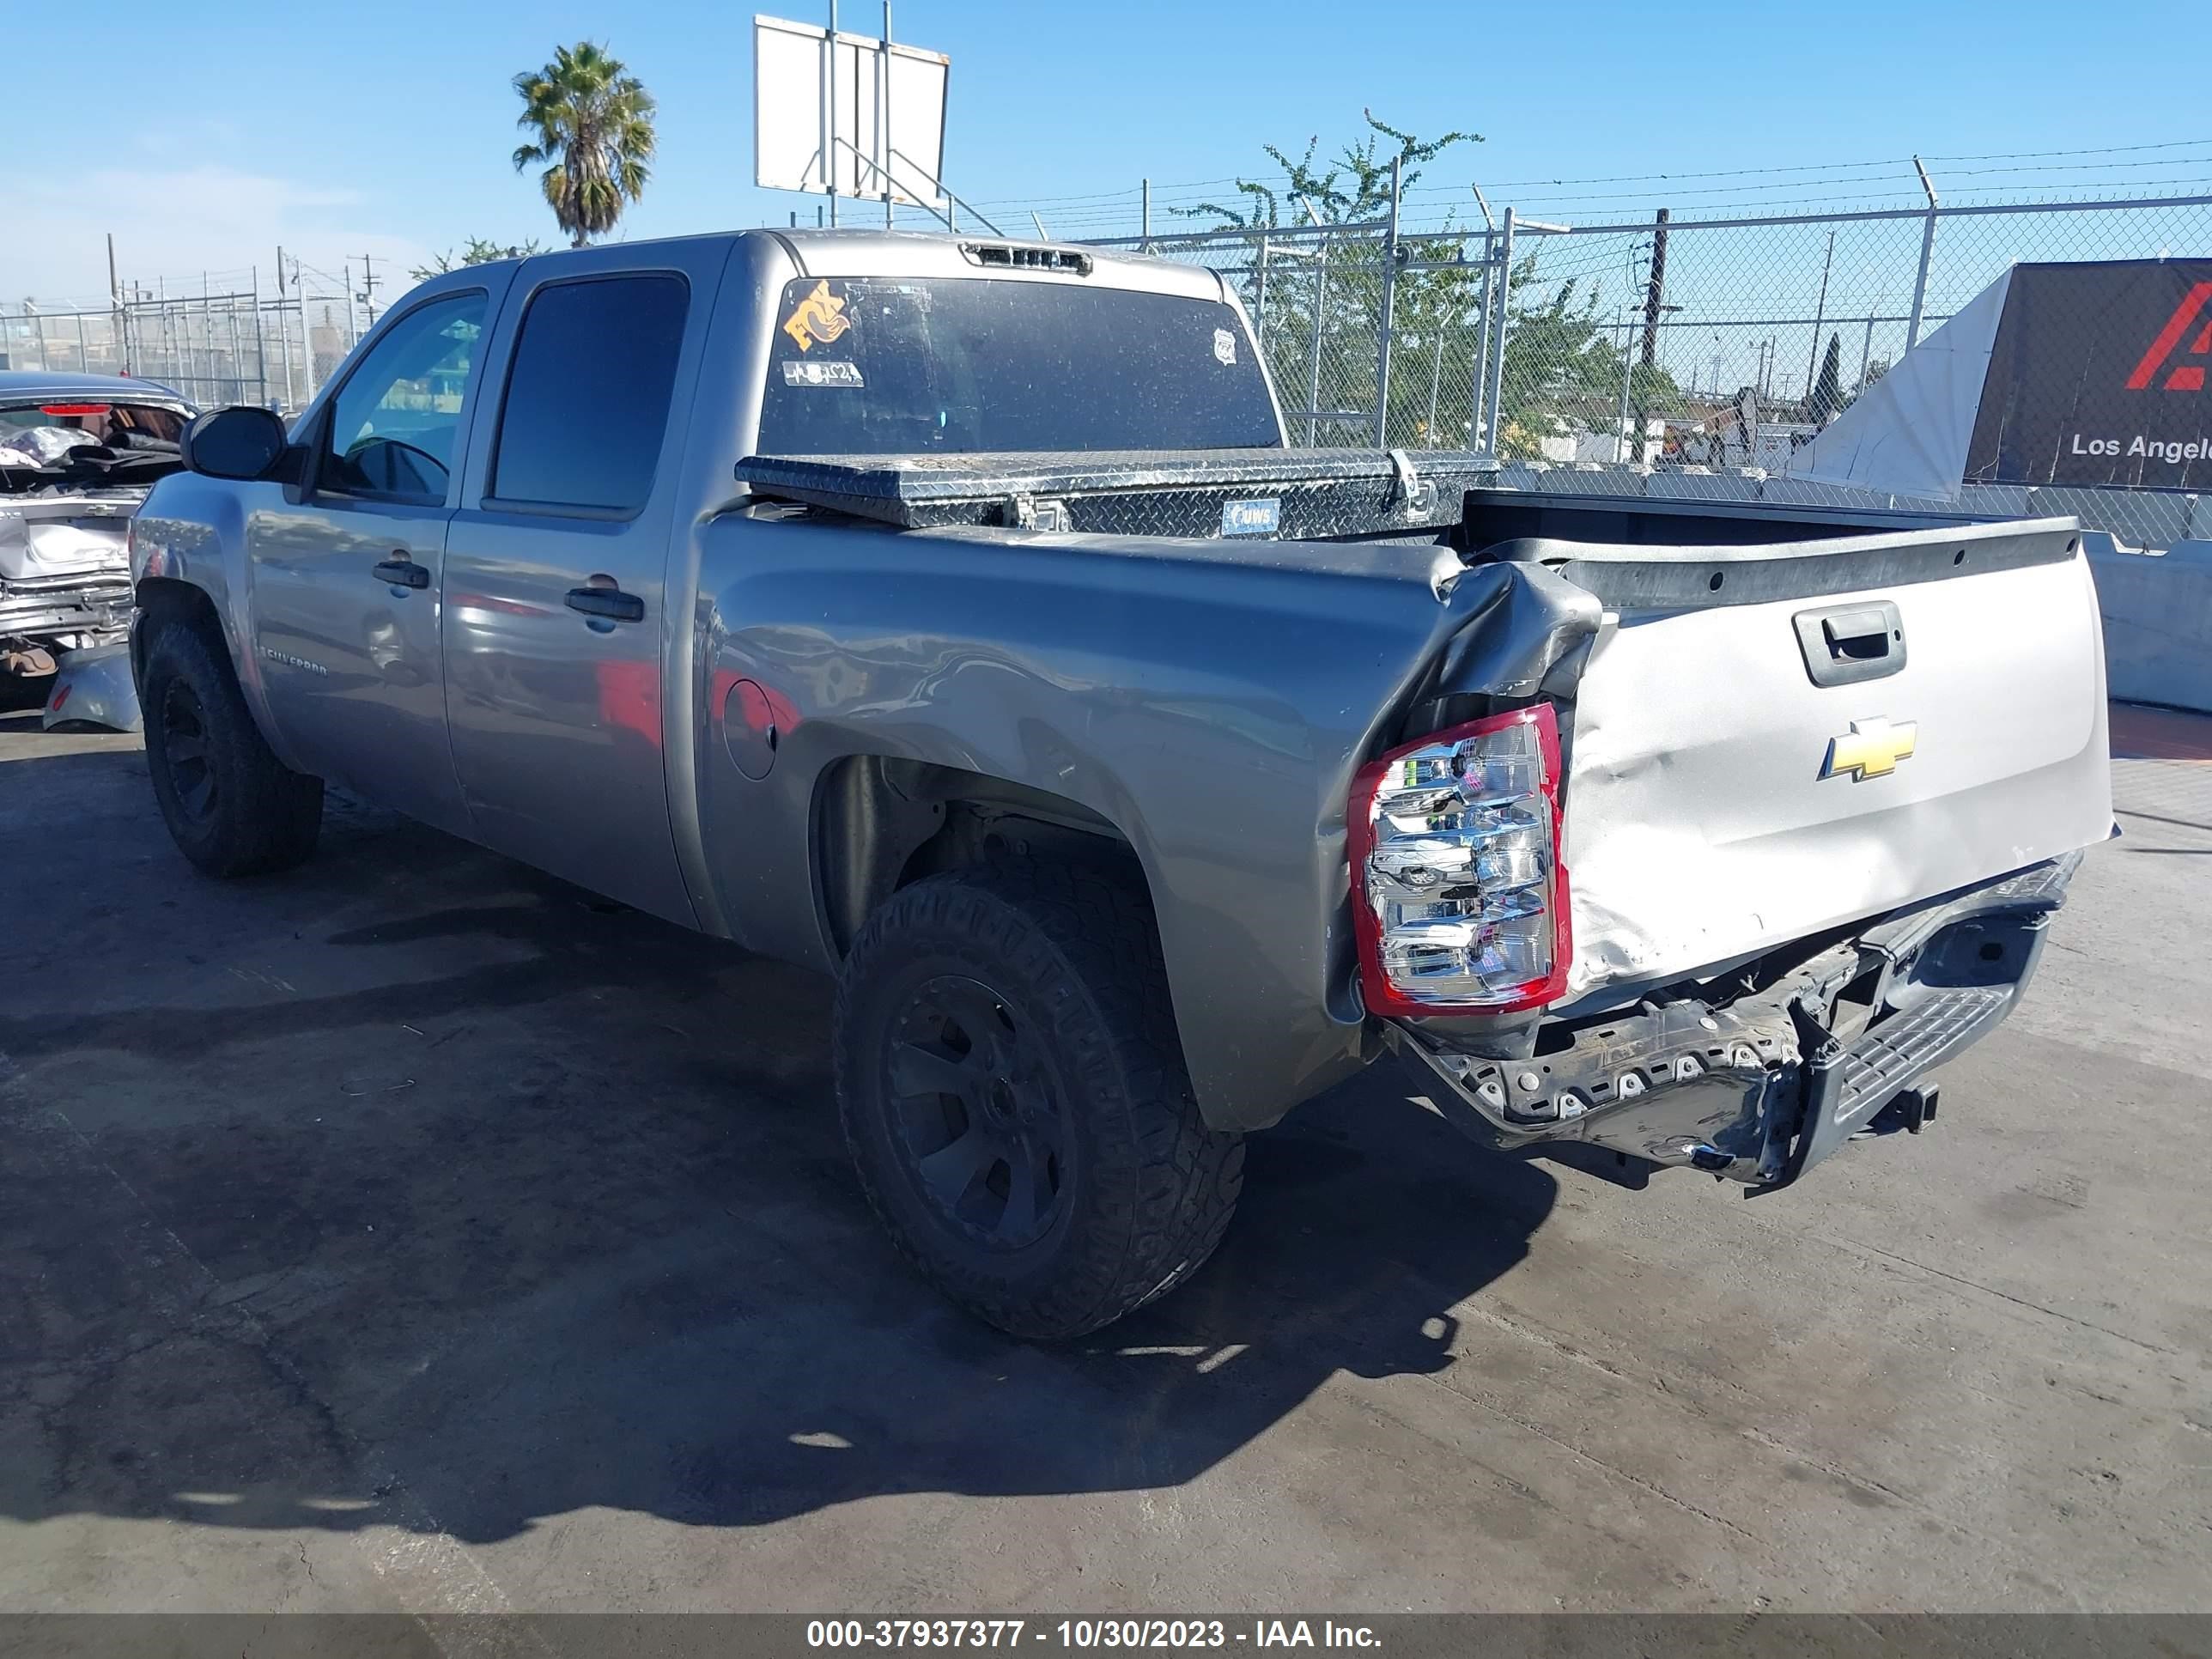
[592, 120]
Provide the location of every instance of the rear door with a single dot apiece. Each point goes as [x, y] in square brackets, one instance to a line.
[345, 609]
[555, 573]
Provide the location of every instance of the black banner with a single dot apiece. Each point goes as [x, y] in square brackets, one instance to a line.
[1094, 1636]
[2099, 376]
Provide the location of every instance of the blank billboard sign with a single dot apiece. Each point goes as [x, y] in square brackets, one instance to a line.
[875, 110]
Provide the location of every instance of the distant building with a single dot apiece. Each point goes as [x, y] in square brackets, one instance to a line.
[1735, 435]
[1565, 447]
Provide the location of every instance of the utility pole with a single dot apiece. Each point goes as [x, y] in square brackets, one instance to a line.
[1655, 302]
[368, 281]
[1655, 292]
[1819, 315]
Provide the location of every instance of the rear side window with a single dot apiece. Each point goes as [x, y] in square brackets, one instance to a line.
[588, 398]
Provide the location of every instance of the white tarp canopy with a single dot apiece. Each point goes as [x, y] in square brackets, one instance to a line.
[1908, 433]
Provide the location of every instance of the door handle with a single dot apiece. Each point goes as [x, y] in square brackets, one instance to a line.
[609, 602]
[1863, 633]
[401, 571]
[1846, 644]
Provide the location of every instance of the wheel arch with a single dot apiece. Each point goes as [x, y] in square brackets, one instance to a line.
[165, 599]
[881, 823]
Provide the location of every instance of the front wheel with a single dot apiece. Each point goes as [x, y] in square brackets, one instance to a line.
[1013, 1094]
[232, 807]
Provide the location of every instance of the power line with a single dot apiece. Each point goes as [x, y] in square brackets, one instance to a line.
[2037, 155]
[1726, 173]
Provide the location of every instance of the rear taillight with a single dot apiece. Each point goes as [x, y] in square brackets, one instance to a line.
[1458, 898]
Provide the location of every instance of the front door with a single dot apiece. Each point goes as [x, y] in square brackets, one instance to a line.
[347, 569]
[556, 630]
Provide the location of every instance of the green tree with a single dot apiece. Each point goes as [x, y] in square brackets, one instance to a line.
[1563, 358]
[1564, 365]
[1327, 289]
[1828, 387]
[477, 251]
[591, 121]
[1356, 187]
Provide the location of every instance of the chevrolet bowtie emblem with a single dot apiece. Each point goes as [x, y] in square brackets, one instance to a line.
[1872, 750]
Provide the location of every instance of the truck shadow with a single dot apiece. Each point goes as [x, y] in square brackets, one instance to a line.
[724, 1389]
[588, 1239]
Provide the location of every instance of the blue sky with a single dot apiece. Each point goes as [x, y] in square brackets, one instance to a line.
[387, 129]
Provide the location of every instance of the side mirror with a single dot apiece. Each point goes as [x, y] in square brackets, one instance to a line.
[233, 443]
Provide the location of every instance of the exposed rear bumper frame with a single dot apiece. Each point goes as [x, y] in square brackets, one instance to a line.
[1760, 1088]
[93, 603]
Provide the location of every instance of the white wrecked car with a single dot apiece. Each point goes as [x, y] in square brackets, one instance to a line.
[77, 455]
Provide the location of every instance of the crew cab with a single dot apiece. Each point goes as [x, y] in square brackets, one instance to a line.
[950, 615]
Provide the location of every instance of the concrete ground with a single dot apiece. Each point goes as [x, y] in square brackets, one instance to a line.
[416, 1232]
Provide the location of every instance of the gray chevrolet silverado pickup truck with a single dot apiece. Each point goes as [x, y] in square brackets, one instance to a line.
[949, 615]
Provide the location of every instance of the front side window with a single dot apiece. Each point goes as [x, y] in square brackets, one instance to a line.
[880, 366]
[394, 422]
[588, 398]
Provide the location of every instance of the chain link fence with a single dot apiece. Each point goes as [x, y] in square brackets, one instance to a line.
[1654, 353]
[220, 343]
[1680, 356]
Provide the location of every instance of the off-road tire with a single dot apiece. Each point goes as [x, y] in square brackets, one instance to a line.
[1145, 1190]
[233, 808]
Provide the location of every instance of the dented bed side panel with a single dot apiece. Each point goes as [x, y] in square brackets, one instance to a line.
[1209, 700]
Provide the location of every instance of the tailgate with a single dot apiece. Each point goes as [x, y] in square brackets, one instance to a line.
[57, 536]
[1720, 800]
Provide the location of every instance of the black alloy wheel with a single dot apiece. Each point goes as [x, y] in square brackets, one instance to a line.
[978, 1112]
[185, 743]
[1011, 1085]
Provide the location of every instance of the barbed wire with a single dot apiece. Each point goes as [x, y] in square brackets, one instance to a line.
[1871, 185]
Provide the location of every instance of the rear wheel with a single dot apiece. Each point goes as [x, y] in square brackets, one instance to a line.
[232, 807]
[1014, 1096]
